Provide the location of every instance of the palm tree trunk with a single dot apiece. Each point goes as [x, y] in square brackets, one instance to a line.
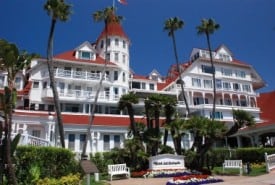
[132, 120]
[88, 134]
[179, 71]
[213, 75]
[53, 83]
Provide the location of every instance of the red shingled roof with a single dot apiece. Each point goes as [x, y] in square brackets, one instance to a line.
[266, 102]
[113, 29]
[70, 56]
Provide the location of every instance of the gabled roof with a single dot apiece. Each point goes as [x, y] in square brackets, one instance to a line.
[70, 56]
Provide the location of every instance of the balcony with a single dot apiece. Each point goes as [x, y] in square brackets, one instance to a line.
[79, 95]
[79, 75]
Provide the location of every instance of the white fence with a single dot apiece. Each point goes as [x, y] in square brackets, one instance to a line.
[270, 162]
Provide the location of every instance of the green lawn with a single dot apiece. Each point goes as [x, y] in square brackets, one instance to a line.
[254, 172]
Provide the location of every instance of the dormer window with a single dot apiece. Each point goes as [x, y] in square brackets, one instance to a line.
[124, 44]
[86, 55]
[224, 57]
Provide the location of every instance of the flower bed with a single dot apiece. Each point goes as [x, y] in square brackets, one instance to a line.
[193, 180]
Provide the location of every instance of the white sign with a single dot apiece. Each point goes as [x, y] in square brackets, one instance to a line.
[166, 162]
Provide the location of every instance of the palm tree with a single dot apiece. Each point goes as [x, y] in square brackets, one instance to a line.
[169, 111]
[127, 101]
[12, 61]
[205, 133]
[207, 27]
[177, 129]
[171, 25]
[241, 118]
[107, 16]
[57, 10]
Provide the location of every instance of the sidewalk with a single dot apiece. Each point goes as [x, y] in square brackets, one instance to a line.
[267, 179]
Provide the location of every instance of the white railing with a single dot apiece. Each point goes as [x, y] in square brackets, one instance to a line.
[270, 162]
[83, 75]
[33, 141]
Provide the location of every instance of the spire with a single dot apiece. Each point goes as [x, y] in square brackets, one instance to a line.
[113, 29]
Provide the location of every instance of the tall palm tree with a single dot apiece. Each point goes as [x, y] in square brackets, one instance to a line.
[127, 101]
[57, 10]
[12, 61]
[107, 16]
[171, 25]
[208, 27]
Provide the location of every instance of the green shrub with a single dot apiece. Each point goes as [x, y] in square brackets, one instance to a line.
[49, 162]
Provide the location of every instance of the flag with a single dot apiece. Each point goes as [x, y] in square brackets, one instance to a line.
[122, 2]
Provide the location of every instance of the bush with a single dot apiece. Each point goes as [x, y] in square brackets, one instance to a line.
[34, 163]
[68, 180]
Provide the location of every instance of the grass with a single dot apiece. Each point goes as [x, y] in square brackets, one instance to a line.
[256, 171]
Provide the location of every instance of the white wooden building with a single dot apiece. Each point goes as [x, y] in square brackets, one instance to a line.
[77, 73]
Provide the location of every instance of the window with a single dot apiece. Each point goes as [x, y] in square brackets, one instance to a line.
[85, 55]
[227, 101]
[217, 115]
[50, 107]
[117, 141]
[82, 138]
[236, 87]
[67, 71]
[123, 77]
[108, 42]
[224, 57]
[240, 74]
[115, 75]
[101, 44]
[226, 85]
[116, 41]
[71, 141]
[106, 142]
[243, 103]
[41, 107]
[18, 83]
[198, 100]
[108, 56]
[152, 86]
[218, 83]
[143, 85]
[226, 72]
[45, 85]
[246, 88]
[207, 69]
[35, 85]
[61, 86]
[124, 44]
[207, 83]
[116, 91]
[135, 85]
[36, 133]
[123, 59]
[196, 82]
[116, 57]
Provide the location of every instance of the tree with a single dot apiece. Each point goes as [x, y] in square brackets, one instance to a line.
[171, 25]
[107, 16]
[57, 10]
[12, 61]
[241, 118]
[208, 27]
[205, 133]
[169, 111]
[177, 128]
[127, 101]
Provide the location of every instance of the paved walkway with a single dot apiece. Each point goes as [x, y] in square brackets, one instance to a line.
[267, 179]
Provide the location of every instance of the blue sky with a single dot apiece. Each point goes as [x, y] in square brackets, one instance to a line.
[247, 28]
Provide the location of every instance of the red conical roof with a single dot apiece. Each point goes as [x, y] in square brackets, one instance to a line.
[113, 29]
